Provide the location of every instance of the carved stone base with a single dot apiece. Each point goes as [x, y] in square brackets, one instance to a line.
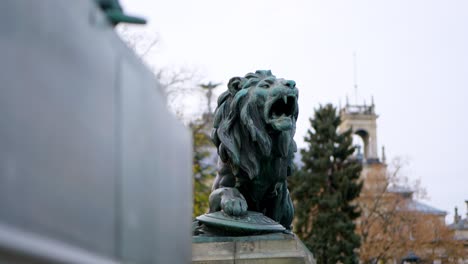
[265, 249]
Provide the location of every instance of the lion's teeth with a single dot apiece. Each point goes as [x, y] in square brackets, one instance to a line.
[285, 99]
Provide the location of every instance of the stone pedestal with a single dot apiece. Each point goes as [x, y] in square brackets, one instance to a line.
[276, 248]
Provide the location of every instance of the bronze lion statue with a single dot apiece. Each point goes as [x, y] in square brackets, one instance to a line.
[254, 126]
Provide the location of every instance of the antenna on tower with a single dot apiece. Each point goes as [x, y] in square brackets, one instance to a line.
[355, 77]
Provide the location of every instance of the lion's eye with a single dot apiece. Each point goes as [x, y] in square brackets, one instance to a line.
[264, 85]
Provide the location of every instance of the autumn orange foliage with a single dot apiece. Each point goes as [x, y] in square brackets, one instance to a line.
[390, 228]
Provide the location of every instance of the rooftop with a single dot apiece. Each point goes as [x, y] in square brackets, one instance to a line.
[424, 208]
[403, 191]
[358, 109]
[460, 225]
[399, 189]
[413, 205]
[458, 222]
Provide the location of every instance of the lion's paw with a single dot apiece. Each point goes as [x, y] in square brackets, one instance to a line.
[235, 206]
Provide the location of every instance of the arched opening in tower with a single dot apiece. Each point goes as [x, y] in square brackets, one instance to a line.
[361, 141]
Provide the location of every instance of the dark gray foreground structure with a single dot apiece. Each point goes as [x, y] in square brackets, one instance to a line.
[92, 167]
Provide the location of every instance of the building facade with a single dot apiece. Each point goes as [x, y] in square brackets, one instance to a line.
[460, 230]
[393, 224]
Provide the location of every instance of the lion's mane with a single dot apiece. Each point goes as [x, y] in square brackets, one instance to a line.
[241, 132]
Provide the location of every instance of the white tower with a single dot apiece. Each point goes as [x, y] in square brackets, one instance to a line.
[363, 122]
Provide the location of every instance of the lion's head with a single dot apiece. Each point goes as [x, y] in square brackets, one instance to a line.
[256, 120]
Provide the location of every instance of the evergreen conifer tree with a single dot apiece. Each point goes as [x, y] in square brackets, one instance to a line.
[325, 188]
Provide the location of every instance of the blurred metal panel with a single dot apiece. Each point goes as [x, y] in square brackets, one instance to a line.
[15, 243]
[57, 119]
[157, 215]
[89, 156]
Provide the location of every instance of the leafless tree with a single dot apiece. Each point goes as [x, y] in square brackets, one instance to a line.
[176, 82]
[390, 229]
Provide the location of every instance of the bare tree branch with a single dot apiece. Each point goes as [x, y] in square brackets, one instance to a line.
[178, 83]
[389, 229]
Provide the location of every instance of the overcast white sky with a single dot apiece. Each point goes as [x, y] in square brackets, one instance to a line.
[412, 56]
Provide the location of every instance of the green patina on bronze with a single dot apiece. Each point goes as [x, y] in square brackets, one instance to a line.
[252, 223]
[254, 126]
[115, 14]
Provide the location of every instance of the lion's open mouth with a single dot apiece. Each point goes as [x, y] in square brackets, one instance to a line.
[281, 111]
[283, 106]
